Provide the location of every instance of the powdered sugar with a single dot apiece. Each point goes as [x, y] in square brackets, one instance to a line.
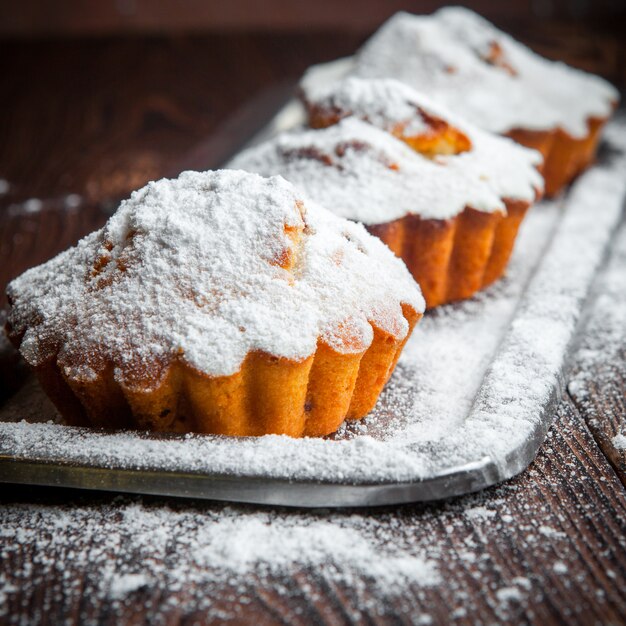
[230, 546]
[600, 355]
[208, 267]
[465, 63]
[509, 594]
[384, 103]
[506, 167]
[365, 174]
[480, 513]
[569, 97]
[124, 584]
[82, 559]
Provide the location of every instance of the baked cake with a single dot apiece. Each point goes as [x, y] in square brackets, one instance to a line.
[466, 64]
[445, 196]
[218, 302]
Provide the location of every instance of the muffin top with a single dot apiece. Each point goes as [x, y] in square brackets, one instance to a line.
[432, 131]
[465, 63]
[387, 104]
[393, 153]
[207, 268]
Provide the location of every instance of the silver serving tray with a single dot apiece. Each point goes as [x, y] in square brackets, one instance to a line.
[419, 443]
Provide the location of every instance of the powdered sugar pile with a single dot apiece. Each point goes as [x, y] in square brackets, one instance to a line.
[222, 547]
[204, 267]
[362, 173]
[465, 63]
[384, 103]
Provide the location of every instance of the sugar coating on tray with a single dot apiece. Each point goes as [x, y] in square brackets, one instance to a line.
[207, 268]
[367, 174]
[467, 64]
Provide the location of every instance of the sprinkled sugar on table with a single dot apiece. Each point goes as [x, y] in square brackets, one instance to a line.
[546, 547]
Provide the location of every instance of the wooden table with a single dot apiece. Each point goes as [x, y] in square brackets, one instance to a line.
[83, 123]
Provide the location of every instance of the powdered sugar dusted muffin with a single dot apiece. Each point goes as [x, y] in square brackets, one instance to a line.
[445, 196]
[465, 63]
[218, 302]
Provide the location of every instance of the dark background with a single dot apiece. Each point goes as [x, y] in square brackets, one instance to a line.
[97, 97]
[33, 18]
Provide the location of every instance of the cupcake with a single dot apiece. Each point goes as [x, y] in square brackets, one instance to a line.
[467, 65]
[217, 302]
[445, 196]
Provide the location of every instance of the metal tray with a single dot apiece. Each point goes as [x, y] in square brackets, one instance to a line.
[468, 406]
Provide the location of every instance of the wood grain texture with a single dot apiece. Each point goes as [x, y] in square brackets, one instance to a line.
[100, 118]
[546, 548]
[30, 18]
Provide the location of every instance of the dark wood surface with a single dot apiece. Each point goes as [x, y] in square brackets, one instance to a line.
[99, 118]
[34, 18]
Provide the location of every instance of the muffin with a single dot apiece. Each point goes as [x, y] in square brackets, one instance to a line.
[217, 302]
[464, 63]
[446, 197]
